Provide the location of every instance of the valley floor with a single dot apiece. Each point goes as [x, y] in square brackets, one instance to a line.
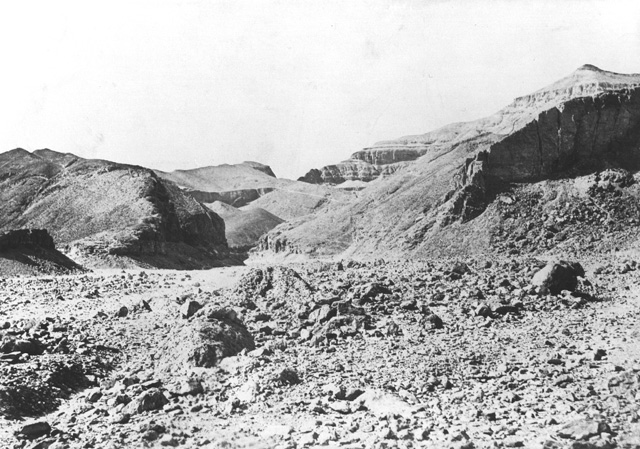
[381, 354]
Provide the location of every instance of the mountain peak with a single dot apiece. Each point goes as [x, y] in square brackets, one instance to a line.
[589, 68]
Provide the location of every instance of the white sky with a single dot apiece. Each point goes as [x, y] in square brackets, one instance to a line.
[293, 84]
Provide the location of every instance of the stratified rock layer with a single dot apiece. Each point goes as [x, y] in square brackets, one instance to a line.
[386, 157]
[550, 134]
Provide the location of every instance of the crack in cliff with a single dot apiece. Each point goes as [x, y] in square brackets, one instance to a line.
[595, 129]
[539, 145]
[558, 131]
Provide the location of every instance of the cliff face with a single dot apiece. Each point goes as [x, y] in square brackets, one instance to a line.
[581, 133]
[419, 210]
[586, 81]
[104, 207]
[350, 170]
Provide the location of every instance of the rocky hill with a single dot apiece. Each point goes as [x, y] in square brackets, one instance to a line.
[257, 201]
[386, 157]
[103, 213]
[445, 201]
[235, 185]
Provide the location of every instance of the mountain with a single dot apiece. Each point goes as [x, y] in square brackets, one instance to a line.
[103, 213]
[251, 199]
[236, 184]
[386, 157]
[449, 200]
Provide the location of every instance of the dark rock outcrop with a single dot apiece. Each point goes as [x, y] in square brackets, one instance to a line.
[26, 237]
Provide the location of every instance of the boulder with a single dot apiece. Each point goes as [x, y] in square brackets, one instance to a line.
[152, 399]
[36, 430]
[205, 340]
[557, 276]
[189, 308]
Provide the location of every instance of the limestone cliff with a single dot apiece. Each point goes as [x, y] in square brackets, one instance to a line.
[384, 157]
[467, 165]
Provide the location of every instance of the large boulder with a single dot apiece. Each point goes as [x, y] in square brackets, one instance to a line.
[207, 338]
[557, 276]
[272, 283]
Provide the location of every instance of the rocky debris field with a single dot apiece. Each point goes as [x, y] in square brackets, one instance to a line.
[595, 214]
[442, 354]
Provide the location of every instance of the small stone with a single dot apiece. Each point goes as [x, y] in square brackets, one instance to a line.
[583, 429]
[152, 399]
[248, 391]
[307, 439]
[289, 376]
[122, 312]
[342, 407]
[121, 418]
[150, 435]
[168, 440]
[279, 430]
[93, 395]
[189, 386]
[36, 430]
[434, 321]
[189, 308]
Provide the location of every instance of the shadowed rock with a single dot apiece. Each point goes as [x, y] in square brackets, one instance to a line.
[558, 276]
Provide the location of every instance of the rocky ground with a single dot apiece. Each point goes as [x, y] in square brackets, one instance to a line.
[484, 353]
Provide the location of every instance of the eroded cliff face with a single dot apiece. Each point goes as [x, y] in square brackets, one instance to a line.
[580, 136]
[420, 209]
[350, 170]
[582, 133]
[587, 81]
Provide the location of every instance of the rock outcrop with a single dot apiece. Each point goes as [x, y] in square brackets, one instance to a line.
[32, 252]
[102, 208]
[26, 237]
[551, 133]
[352, 169]
[586, 81]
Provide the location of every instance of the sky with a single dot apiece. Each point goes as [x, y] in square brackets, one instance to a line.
[295, 84]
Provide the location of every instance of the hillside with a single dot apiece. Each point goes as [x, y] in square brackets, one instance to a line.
[104, 213]
[434, 205]
[244, 227]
